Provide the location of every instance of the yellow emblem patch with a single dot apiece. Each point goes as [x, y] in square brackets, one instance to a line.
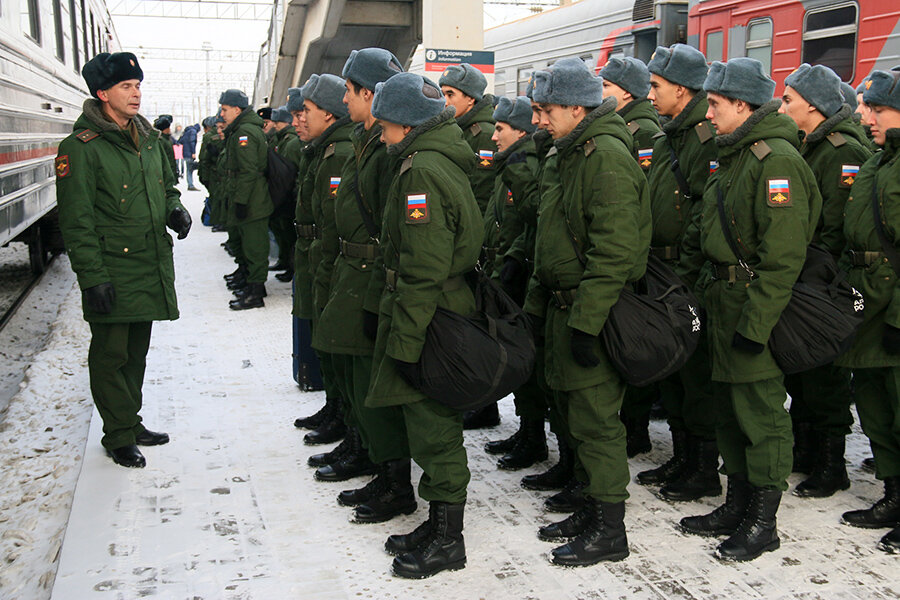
[62, 165]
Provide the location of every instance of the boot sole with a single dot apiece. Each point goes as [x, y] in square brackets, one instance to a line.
[801, 493]
[614, 557]
[519, 467]
[562, 539]
[767, 548]
[703, 533]
[890, 549]
[890, 525]
[542, 488]
[455, 566]
[321, 441]
[344, 477]
[406, 510]
[711, 492]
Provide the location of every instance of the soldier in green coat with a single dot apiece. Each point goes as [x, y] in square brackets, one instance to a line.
[770, 198]
[628, 81]
[835, 147]
[430, 238]
[246, 193]
[281, 221]
[871, 260]
[116, 196]
[268, 127]
[207, 170]
[164, 124]
[592, 240]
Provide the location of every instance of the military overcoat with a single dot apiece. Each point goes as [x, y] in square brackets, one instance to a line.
[244, 160]
[478, 128]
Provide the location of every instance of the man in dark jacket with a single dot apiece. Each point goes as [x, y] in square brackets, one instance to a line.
[164, 124]
[188, 141]
[116, 195]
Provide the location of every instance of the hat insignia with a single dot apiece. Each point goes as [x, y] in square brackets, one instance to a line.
[868, 84]
[131, 61]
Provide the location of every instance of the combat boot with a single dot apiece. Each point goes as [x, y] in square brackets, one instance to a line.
[568, 500]
[603, 539]
[557, 476]
[394, 497]
[830, 473]
[285, 276]
[884, 513]
[489, 416]
[757, 532]
[354, 463]
[238, 281]
[252, 298]
[399, 543]
[506, 444]
[724, 519]
[530, 448]
[804, 448]
[313, 420]
[890, 543]
[637, 435]
[443, 549]
[571, 526]
[241, 271]
[358, 496]
[672, 468]
[700, 477]
[333, 455]
[332, 429]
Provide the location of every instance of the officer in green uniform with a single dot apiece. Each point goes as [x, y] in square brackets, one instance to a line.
[430, 238]
[683, 160]
[875, 354]
[835, 147]
[164, 124]
[246, 192]
[463, 87]
[772, 203]
[592, 240]
[281, 221]
[116, 195]
[628, 81]
[207, 171]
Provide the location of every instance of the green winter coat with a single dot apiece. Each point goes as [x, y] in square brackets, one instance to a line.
[303, 305]
[527, 193]
[835, 151]
[289, 147]
[271, 137]
[478, 129]
[772, 230]
[210, 149]
[642, 121]
[340, 327]
[244, 159]
[426, 246]
[595, 195]
[169, 147]
[878, 283]
[114, 199]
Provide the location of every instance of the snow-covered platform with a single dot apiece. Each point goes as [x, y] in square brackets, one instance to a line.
[229, 509]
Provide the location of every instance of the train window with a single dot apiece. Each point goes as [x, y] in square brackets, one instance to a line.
[715, 45]
[31, 20]
[73, 24]
[829, 38]
[523, 77]
[93, 37]
[84, 31]
[759, 42]
[58, 30]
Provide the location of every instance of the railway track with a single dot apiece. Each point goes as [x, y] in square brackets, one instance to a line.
[15, 294]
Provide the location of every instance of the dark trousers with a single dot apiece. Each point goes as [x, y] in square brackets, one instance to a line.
[436, 444]
[878, 404]
[255, 249]
[821, 397]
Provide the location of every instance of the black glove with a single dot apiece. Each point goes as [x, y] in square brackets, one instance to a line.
[537, 328]
[745, 345]
[510, 270]
[100, 298]
[240, 211]
[583, 348]
[370, 325]
[179, 222]
[890, 339]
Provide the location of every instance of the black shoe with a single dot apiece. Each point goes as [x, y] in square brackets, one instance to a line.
[557, 476]
[725, 519]
[571, 526]
[700, 477]
[530, 448]
[239, 272]
[332, 429]
[354, 463]
[151, 438]
[804, 448]
[128, 456]
[219, 228]
[407, 542]
[830, 474]
[333, 455]
[604, 538]
[489, 416]
[890, 543]
[568, 500]
[395, 496]
[757, 532]
[672, 468]
[637, 435]
[506, 444]
[357, 496]
[443, 550]
[313, 420]
[884, 513]
[278, 266]
[252, 298]
[247, 289]
[286, 276]
[868, 464]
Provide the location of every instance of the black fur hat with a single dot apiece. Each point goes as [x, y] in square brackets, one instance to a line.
[106, 70]
[265, 113]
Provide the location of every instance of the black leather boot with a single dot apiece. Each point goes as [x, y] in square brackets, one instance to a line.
[571, 526]
[724, 519]
[240, 272]
[332, 429]
[672, 468]
[333, 455]
[700, 477]
[399, 543]
[506, 444]
[890, 543]
[238, 281]
[637, 435]
[394, 497]
[603, 539]
[830, 473]
[884, 513]
[489, 416]
[568, 500]
[251, 298]
[557, 476]
[757, 532]
[354, 463]
[530, 448]
[444, 548]
[285, 276]
[804, 448]
[357, 496]
[128, 456]
[313, 420]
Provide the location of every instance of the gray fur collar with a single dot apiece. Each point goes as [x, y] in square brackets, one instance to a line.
[399, 149]
[93, 110]
[679, 119]
[729, 139]
[607, 106]
[502, 156]
[467, 119]
[319, 141]
[825, 127]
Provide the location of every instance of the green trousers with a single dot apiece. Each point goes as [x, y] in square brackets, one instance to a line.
[753, 432]
[116, 361]
[821, 397]
[598, 438]
[435, 435]
[285, 235]
[694, 408]
[382, 429]
[878, 404]
[530, 399]
[255, 249]
[234, 242]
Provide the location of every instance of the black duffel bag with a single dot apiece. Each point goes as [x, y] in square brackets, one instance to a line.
[469, 362]
[652, 329]
[821, 319]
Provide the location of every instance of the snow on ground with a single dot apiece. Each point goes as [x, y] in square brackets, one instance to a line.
[229, 509]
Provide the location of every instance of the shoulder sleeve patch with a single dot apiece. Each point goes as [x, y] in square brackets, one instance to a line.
[509, 197]
[329, 151]
[485, 158]
[87, 135]
[333, 184]
[243, 141]
[417, 209]
[848, 175]
[475, 129]
[62, 166]
[634, 127]
[713, 166]
[837, 139]
[760, 149]
[778, 192]
[645, 157]
[704, 131]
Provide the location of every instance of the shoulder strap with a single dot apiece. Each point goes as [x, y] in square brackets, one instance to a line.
[365, 211]
[704, 132]
[475, 129]
[837, 139]
[760, 149]
[634, 127]
[886, 246]
[87, 135]
[726, 231]
[675, 166]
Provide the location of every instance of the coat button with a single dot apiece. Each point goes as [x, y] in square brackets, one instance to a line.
[125, 187]
[160, 180]
[123, 200]
[125, 250]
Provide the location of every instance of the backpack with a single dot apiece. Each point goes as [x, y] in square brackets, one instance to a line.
[282, 178]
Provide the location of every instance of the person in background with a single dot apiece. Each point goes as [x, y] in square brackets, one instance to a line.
[164, 124]
[188, 142]
[628, 81]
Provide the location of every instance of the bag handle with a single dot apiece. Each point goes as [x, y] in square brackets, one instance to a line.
[675, 166]
[723, 221]
[365, 212]
[886, 246]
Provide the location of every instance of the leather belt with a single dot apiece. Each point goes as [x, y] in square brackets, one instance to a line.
[452, 283]
[665, 252]
[732, 273]
[364, 251]
[307, 232]
[865, 258]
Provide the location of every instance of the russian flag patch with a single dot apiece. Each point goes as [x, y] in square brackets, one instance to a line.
[417, 208]
[645, 157]
[485, 157]
[848, 175]
[333, 185]
[713, 166]
[242, 140]
[779, 192]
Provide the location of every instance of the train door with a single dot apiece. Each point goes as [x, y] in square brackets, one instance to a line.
[712, 33]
